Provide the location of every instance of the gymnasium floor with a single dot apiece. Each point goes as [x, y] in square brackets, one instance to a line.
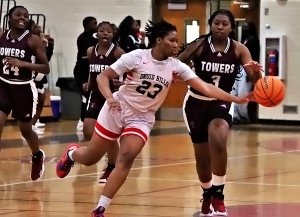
[263, 175]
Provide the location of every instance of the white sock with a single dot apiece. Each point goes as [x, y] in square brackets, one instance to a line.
[70, 154]
[104, 201]
[218, 180]
[206, 185]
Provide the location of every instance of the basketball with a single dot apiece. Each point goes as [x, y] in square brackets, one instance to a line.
[269, 91]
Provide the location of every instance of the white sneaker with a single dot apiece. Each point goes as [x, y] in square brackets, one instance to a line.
[79, 126]
[37, 131]
[39, 124]
[80, 136]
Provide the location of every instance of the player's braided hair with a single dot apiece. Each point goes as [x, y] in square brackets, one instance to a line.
[158, 29]
[106, 22]
[210, 20]
[14, 8]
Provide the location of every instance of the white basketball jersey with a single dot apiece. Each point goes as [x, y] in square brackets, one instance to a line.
[148, 80]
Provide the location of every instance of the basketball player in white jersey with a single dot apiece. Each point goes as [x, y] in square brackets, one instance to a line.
[130, 112]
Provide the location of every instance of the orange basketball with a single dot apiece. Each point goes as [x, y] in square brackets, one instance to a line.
[269, 91]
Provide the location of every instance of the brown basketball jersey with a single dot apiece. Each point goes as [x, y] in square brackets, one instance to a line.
[217, 68]
[98, 63]
[19, 49]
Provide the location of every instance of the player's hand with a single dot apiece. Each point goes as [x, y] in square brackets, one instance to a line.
[14, 62]
[50, 40]
[86, 86]
[143, 34]
[117, 84]
[113, 104]
[176, 77]
[245, 99]
[255, 66]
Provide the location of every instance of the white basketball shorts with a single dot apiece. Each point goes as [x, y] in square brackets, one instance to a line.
[113, 124]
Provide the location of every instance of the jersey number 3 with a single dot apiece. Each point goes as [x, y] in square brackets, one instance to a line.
[7, 69]
[216, 79]
[146, 85]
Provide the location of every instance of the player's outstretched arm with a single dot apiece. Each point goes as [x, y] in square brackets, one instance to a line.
[215, 92]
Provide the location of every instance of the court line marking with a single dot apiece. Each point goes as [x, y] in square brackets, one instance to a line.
[157, 166]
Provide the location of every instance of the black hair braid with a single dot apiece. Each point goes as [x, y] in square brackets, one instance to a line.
[158, 29]
[14, 8]
[184, 46]
[210, 20]
[105, 22]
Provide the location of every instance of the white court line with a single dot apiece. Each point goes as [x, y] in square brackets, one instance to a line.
[229, 182]
[156, 166]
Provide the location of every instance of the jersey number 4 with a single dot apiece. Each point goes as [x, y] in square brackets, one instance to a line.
[145, 86]
[7, 69]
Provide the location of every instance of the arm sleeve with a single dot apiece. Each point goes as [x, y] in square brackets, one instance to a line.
[186, 73]
[127, 62]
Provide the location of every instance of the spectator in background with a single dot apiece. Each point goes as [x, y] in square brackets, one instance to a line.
[128, 32]
[81, 70]
[116, 36]
[40, 79]
[247, 113]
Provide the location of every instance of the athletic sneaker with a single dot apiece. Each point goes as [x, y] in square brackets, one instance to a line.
[37, 130]
[79, 126]
[206, 206]
[98, 212]
[219, 206]
[39, 124]
[37, 169]
[65, 164]
[105, 175]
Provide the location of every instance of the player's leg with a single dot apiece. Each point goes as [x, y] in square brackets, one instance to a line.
[218, 129]
[102, 139]
[195, 116]
[5, 105]
[112, 154]
[95, 103]
[39, 108]
[26, 95]
[131, 143]
[133, 139]
[91, 115]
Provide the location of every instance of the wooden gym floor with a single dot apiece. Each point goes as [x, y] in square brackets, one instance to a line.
[263, 175]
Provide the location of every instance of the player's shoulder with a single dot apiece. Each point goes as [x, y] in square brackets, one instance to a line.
[136, 55]
[139, 52]
[176, 62]
[237, 45]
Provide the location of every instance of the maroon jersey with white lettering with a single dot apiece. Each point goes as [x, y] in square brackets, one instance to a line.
[19, 49]
[98, 63]
[217, 68]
